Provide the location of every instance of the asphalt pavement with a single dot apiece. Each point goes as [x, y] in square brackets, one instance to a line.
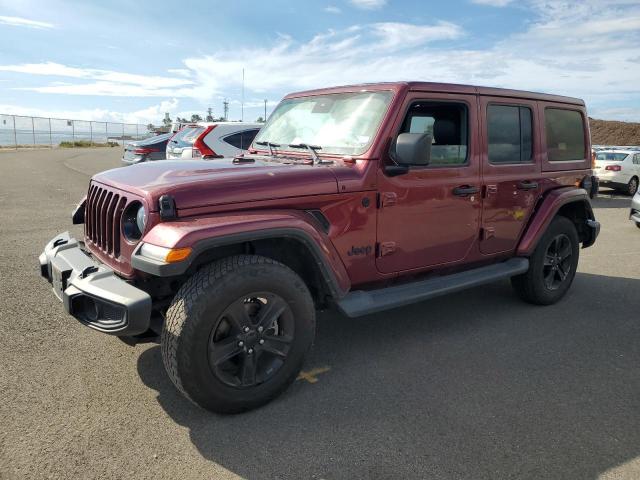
[475, 385]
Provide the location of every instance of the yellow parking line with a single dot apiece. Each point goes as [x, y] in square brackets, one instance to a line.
[311, 375]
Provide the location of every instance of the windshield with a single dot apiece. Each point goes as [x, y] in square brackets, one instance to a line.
[343, 123]
[187, 136]
[611, 156]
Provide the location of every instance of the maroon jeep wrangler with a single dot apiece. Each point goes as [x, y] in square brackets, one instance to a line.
[365, 198]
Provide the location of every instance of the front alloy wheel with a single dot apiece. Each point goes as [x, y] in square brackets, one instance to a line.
[251, 340]
[237, 332]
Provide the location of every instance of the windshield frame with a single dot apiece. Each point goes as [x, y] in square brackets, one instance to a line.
[285, 148]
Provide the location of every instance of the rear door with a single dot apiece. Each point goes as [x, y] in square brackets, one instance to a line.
[511, 170]
[430, 215]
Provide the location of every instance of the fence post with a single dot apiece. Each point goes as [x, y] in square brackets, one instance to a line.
[123, 134]
[50, 139]
[73, 133]
[15, 136]
[91, 133]
[106, 132]
[33, 131]
[137, 134]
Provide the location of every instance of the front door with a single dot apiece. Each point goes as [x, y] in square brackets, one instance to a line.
[510, 170]
[430, 215]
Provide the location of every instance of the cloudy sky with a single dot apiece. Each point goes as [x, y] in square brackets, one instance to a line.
[132, 61]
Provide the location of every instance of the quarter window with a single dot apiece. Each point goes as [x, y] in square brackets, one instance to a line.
[241, 140]
[447, 124]
[509, 131]
[565, 135]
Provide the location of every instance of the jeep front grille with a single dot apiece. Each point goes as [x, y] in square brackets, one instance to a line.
[102, 219]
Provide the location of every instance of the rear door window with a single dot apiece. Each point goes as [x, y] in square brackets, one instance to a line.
[509, 131]
[242, 140]
[565, 135]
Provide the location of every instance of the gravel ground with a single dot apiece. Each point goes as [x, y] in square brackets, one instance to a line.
[469, 386]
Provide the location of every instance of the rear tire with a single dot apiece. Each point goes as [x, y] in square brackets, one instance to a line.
[237, 332]
[552, 266]
[632, 186]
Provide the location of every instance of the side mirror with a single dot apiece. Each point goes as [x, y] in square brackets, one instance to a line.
[413, 149]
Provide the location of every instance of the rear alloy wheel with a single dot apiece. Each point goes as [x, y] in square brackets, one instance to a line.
[237, 332]
[552, 266]
[632, 186]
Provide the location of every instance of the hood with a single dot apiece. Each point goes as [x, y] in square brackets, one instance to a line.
[217, 182]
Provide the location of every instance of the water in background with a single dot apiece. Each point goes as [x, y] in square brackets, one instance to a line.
[50, 132]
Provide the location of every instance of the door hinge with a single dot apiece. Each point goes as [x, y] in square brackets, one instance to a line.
[488, 232]
[388, 199]
[385, 248]
[490, 190]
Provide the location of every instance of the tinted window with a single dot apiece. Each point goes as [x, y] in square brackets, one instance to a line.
[447, 125]
[242, 140]
[636, 159]
[565, 135]
[509, 130]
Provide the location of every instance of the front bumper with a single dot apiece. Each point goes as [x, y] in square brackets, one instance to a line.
[92, 292]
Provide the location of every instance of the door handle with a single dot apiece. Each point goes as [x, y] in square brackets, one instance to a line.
[527, 185]
[464, 190]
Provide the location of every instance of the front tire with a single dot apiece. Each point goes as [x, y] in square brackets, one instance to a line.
[237, 332]
[553, 265]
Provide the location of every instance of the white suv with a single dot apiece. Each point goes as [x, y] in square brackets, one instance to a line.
[212, 140]
[619, 169]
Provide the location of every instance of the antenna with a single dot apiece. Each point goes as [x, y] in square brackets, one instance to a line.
[242, 107]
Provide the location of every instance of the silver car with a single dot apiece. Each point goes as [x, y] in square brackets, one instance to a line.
[635, 209]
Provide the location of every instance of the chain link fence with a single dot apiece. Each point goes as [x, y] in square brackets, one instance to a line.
[18, 131]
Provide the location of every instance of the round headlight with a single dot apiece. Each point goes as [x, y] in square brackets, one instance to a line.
[141, 219]
[133, 221]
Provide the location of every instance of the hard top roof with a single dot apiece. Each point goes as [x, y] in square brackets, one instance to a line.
[442, 87]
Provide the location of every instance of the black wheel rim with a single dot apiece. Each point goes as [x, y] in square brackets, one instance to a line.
[557, 262]
[251, 340]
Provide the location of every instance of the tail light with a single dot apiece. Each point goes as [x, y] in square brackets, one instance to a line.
[201, 149]
[613, 168]
[144, 151]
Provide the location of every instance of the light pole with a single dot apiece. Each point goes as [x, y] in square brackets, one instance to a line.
[265, 110]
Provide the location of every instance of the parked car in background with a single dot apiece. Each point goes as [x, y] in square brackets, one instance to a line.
[618, 169]
[153, 148]
[634, 215]
[212, 140]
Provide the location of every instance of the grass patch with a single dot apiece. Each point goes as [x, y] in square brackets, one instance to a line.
[86, 144]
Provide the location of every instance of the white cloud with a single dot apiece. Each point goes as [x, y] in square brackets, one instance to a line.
[24, 22]
[368, 4]
[332, 9]
[493, 3]
[104, 82]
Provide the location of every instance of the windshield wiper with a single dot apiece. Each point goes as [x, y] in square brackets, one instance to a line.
[312, 150]
[268, 144]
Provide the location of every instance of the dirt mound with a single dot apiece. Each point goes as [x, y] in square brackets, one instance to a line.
[609, 132]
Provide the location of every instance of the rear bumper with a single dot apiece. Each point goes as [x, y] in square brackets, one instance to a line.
[91, 292]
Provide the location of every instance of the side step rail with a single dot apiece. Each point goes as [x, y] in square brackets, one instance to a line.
[361, 302]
